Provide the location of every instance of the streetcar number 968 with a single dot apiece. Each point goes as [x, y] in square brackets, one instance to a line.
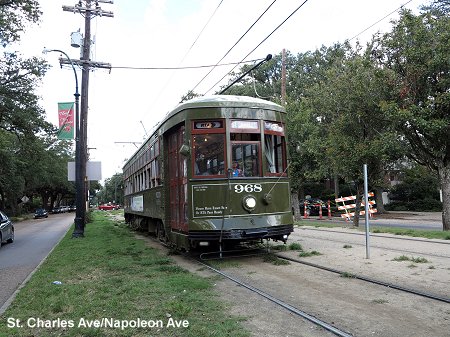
[248, 188]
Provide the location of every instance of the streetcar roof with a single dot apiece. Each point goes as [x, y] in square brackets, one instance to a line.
[227, 101]
[216, 101]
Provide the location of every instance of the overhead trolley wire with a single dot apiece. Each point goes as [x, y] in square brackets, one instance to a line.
[265, 11]
[190, 48]
[182, 68]
[395, 10]
[295, 11]
[199, 34]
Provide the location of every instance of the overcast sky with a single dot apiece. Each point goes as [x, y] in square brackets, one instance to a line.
[124, 103]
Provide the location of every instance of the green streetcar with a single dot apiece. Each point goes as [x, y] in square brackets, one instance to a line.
[212, 173]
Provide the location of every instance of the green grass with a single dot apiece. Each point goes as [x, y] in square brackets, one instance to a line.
[270, 258]
[412, 259]
[111, 274]
[401, 258]
[347, 246]
[347, 275]
[224, 263]
[323, 223]
[295, 246]
[307, 254]
[430, 234]
[291, 246]
[380, 301]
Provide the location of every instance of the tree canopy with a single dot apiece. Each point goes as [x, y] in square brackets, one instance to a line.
[34, 162]
[348, 106]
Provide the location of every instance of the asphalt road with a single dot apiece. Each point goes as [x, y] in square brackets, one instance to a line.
[34, 239]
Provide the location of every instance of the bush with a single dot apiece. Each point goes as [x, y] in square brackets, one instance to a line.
[425, 205]
[419, 191]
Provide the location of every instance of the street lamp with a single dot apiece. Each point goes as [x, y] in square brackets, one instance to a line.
[80, 214]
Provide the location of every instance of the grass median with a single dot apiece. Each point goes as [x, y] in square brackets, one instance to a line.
[110, 278]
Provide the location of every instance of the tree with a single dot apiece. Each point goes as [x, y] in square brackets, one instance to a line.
[188, 96]
[417, 52]
[33, 161]
[345, 103]
[14, 14]
[20, 112]
[113, 190]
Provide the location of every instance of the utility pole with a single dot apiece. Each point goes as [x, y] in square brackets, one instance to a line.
[283, 77]
[89, 9]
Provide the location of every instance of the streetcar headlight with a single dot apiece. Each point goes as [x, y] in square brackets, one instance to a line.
[249, 203]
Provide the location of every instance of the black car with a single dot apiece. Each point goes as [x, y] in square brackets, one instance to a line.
[40, 213]
[313, 206]
[6, 229]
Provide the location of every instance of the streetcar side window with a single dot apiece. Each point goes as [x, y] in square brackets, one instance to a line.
[208, 143]
[274, 148]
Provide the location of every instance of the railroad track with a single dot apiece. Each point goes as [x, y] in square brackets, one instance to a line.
[368, 279]
[379, 236]
[378, 247]
[280, 303]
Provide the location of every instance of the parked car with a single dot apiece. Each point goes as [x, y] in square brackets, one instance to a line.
[56, 210]
[6, 229]
[108, 207]
[40, 213]
[313, 206]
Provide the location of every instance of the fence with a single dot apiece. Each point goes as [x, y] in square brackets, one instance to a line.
[348, 207]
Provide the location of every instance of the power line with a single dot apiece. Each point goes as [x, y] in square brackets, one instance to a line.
[182, 68]
[190, 48]
[395, 10]
[259, 44]
[265, 11]
[206, 24]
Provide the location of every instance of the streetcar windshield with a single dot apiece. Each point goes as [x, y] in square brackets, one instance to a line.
[209, 154]
[245, 158]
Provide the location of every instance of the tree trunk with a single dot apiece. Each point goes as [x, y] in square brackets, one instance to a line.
[301, 191]
[444, 176]
[379, 200]
[358, 205]
[336, 186]
[295, 205]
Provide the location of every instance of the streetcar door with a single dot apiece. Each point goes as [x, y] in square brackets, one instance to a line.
[177, 180]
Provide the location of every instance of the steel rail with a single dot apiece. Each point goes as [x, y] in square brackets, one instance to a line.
[379, 236]
[286, 306]
[378, 247]
[370, 280]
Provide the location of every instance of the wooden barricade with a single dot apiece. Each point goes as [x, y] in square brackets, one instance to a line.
[348, 207]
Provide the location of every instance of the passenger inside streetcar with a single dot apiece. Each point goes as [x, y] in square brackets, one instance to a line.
[237, 172]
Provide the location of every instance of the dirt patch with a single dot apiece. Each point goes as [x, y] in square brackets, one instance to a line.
[352, 305]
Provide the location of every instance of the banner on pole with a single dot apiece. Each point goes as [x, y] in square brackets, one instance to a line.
[66, 120]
